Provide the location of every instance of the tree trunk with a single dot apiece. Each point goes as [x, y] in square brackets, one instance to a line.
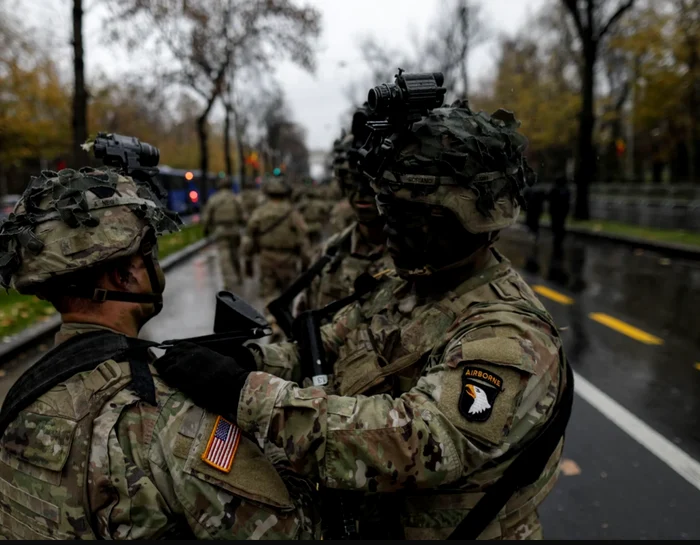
[79, 122]
[585, 167]
[203, 136]
[241, 150]
[227, 142]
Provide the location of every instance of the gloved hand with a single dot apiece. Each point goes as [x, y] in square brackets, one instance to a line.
[213, 381]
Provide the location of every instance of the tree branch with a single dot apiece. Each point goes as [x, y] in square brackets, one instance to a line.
[573, 9]
[620, 11]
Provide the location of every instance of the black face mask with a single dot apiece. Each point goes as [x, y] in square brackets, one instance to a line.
[361, 197]
[424, 238]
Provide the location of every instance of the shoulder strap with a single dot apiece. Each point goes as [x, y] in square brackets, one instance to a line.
[276, 223]
[76, 355]
[525, 469]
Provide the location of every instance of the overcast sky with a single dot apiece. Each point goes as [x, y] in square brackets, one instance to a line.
[317, 101]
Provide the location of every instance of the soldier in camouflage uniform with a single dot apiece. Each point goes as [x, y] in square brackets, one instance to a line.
[224, 215]
[250, 199]
[342, 213]
[315, 211]
[110, 451]
[444, 373]
[277, 232]
[361, 246]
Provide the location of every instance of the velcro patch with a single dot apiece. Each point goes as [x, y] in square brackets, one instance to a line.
[222, 445]
[479, 391]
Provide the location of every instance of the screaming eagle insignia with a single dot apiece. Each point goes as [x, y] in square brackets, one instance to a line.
[479, 391]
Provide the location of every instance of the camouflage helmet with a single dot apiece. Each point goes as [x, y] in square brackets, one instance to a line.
[276, 187]
[470, 163]
[341, 158]
[73, 220]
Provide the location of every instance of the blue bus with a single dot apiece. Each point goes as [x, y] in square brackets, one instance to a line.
[183, 187]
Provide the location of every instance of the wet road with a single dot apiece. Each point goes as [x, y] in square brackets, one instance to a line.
[623, 476]
[631, 337]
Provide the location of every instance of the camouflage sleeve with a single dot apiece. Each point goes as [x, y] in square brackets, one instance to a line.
[278, 359]
[207, 216]
[481, 397]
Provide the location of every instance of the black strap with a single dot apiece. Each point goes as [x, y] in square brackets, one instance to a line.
[523, 471]
[100, 295]
[76, 355]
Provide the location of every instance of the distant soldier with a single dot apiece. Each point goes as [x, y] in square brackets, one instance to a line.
[315, 211]
[223, 216]
[251, 198]
[535, 198]
[559, 202]
[276, 232]
[342, 213]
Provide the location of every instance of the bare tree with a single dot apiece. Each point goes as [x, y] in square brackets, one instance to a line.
[593, 20]
[207, 38]
[457, 30]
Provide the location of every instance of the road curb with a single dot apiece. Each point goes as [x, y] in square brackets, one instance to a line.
[34, 334]
[670, 249]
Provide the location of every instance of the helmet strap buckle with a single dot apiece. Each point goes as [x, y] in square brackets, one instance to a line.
[99, 295]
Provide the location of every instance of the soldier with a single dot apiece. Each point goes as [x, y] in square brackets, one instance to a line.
[451, 390]
[361, 246]
[277, 232]
[342, 213]
[251, 198]
[315, 210]
[224, 215]
[93, 443]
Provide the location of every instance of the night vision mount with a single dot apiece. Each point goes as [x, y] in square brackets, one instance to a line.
[130, 156]
[394, 107]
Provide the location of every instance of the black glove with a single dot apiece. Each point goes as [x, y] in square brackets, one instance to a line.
[213, 381]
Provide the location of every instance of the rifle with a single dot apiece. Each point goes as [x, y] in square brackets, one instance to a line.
[235, 321]
[281, 308]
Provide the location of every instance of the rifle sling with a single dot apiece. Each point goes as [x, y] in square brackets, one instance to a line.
[76, 355]
[276, 223]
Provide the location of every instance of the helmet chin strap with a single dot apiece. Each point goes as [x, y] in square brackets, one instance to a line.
[100, 295]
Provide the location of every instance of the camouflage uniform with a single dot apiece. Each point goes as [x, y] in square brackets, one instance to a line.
[278, 233]
[354, 257]
[315, 211]
[223, 214]
[90, 458]
[342, 215]
[250, 199]
[436, 386]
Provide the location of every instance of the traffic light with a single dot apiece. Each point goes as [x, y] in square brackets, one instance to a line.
[188, 176]
[277, 172]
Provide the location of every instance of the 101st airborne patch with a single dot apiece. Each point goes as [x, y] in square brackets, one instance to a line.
[222, 445]
[479, 391]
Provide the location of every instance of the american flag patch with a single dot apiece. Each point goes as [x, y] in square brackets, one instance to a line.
[222, 445]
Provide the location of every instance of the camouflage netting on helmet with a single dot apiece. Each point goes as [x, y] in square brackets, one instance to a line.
[72, 220]
[482, 152]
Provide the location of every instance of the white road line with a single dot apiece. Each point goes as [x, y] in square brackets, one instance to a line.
[667, 452]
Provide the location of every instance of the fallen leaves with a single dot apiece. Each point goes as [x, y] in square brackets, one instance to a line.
[569, 467]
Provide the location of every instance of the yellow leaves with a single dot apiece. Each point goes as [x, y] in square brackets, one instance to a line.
[34, 111]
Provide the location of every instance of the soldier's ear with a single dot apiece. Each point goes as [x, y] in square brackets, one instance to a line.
[123, 274]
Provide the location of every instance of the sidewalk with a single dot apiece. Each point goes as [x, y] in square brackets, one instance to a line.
[670, 249]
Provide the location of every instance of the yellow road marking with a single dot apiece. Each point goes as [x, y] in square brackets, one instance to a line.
[625, 329]
[553, 295]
